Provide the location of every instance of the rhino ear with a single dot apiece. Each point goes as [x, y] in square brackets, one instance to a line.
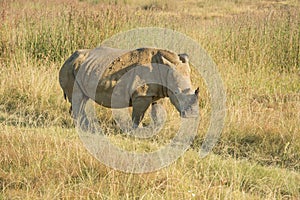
[197, 91]
[184, 57]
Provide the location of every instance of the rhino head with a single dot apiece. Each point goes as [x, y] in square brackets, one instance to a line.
[180, 91]
[186, 102]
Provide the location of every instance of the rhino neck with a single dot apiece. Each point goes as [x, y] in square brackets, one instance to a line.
[176, 83]
[165, 91]
[162, 73]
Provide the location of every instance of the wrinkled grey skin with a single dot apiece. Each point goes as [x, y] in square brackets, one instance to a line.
[151, 74]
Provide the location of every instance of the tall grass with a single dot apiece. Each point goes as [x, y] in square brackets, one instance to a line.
[64, 169]
[257, 53]
[259, 58]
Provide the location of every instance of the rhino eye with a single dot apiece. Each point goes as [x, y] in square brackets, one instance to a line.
[177, 91]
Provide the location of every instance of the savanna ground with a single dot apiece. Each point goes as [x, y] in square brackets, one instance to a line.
[256, 46]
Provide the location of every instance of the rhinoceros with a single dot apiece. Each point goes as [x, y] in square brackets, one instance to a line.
[150, 75]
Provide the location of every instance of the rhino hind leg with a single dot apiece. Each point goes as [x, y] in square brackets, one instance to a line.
[77, 109]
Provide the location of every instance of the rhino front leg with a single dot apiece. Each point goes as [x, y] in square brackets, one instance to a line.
[158, 114]
[139, 105]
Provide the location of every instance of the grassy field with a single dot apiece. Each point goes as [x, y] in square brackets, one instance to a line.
[256, 46]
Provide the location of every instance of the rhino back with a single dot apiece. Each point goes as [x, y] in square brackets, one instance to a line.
[92, 70]
[104, 67]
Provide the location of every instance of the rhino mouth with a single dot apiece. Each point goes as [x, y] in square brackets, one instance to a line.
[189, 113]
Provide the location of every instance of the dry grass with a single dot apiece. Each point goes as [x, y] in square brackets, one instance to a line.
[62, 168]
[256, 45]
